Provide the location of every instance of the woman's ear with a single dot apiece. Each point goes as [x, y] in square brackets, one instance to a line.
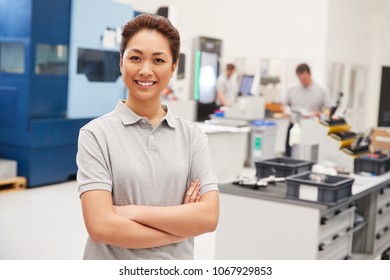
[174, 68]
[120, 65]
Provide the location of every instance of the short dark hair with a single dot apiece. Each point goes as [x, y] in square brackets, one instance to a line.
[152, 22]
[230, 66]
[302, 68]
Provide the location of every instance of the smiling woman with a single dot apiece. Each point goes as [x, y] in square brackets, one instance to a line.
[147, 67]
[145, 177]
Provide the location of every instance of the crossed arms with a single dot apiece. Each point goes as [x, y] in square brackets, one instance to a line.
[138, 226]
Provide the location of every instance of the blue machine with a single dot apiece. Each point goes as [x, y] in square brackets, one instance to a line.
[94, 58]
[37, 69]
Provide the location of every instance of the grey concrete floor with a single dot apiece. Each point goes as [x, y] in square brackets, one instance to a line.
[46, 223]
[42, 223]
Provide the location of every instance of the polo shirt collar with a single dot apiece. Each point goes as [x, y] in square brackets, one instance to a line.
[169, 117]
[127, 116]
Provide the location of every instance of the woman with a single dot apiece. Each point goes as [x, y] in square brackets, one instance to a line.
[136, 162]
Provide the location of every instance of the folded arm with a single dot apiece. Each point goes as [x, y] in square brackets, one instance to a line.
[186, 220]
[104, 226]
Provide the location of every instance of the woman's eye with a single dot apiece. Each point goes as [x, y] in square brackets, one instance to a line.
[159, 60]
[135, 58]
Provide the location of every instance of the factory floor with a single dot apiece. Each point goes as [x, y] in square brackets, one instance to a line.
[45, 223]
[42, 223]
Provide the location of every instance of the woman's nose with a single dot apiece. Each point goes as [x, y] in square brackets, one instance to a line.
[146, 69]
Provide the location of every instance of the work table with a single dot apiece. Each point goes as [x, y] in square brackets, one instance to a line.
[277, 192]
[269, 225]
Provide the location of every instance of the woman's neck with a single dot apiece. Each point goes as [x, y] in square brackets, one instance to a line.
[150, 109]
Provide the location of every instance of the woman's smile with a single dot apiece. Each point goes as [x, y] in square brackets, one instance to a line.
[145, 84]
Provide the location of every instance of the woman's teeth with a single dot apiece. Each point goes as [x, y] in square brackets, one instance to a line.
[145, 84]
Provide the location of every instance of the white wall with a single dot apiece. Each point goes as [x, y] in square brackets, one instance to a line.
[358, 34]
[349, 31]
[380, 57]
[349, 41]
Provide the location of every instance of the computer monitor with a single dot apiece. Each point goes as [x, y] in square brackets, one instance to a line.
[246, 85]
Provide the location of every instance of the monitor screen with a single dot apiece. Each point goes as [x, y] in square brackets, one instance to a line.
[246, 85]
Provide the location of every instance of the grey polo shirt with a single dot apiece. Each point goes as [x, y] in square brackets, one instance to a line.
[313, 98]
[122, 153]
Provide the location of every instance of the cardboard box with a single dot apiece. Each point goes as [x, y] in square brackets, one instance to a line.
[380, 138]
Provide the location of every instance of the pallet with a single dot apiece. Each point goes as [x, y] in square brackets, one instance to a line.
[13, 184]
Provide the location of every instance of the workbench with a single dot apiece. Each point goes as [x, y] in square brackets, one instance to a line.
[265, 224]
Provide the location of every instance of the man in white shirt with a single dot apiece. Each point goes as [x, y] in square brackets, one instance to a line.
[306, 98]
[227, 87]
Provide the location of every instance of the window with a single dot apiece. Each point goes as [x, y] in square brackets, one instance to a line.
[98, 65]
[357, 87]
[51, 59]
[11, 57]
[335, 79]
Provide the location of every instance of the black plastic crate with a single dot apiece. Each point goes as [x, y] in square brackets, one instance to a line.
[368, 164]
[281, 167]
[319, 188]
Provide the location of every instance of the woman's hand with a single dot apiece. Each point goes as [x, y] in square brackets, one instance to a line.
[193, 192]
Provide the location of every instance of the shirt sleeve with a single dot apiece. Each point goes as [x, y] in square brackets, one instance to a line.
[201, 167]
[93, 171]
[220, 83]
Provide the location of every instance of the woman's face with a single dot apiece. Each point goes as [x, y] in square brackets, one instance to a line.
[146, 65]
